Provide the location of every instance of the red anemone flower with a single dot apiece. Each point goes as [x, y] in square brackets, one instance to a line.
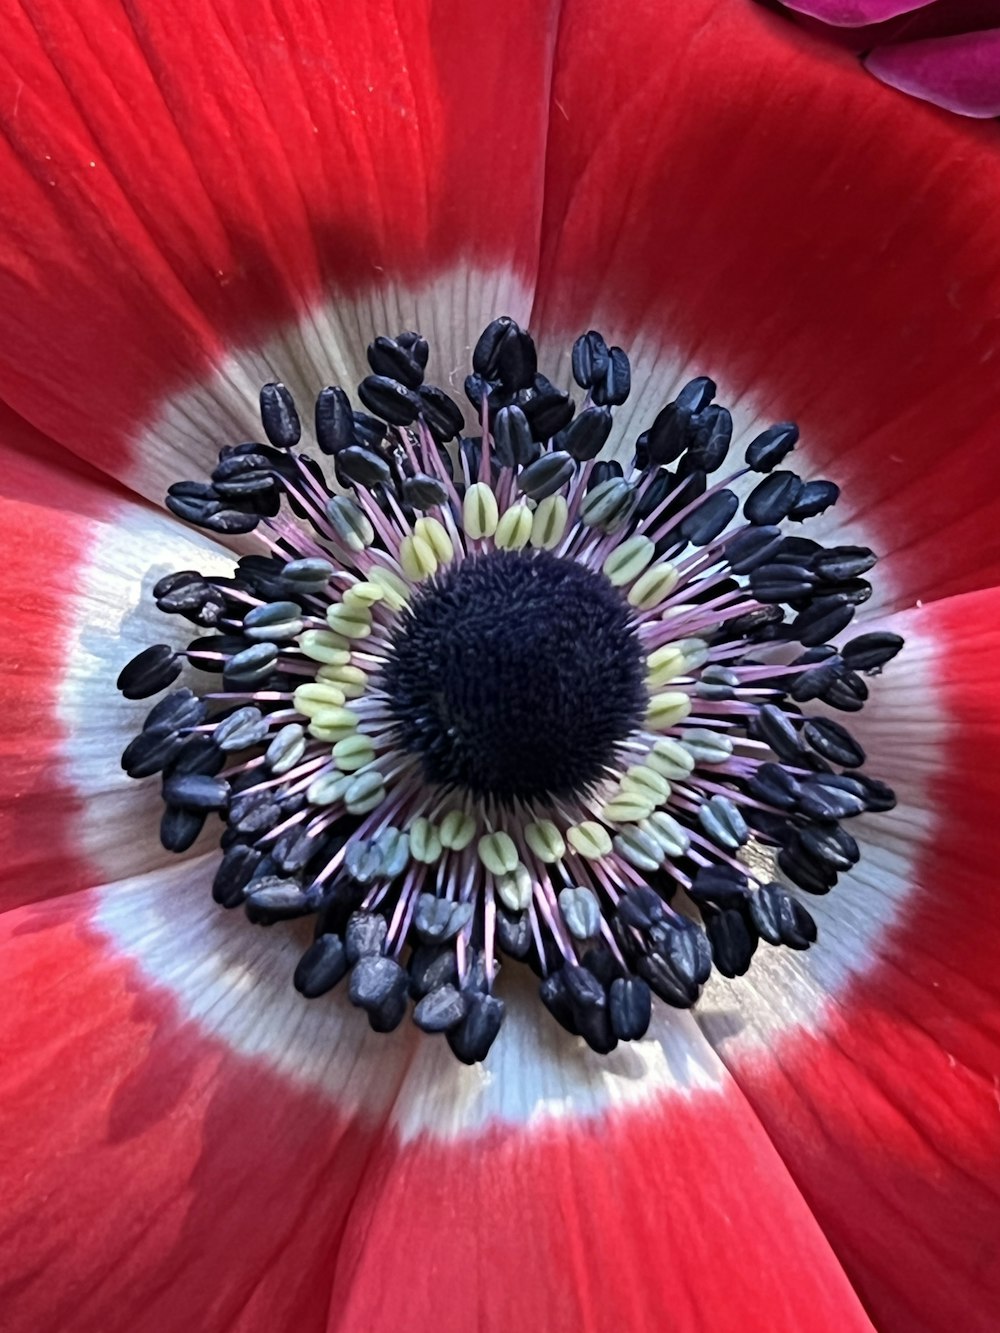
[198, 199]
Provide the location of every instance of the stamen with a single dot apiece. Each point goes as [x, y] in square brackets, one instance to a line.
[507, 699]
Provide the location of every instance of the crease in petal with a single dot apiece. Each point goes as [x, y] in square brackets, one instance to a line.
[51, 507]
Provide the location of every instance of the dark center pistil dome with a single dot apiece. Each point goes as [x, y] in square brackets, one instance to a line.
[516, 676]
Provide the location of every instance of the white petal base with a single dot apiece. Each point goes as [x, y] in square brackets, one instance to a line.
[234, 980]
[325, 346]
[115, 618]
[905, 738]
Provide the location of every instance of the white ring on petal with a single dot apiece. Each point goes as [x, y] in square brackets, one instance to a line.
[234, 981]
[113, 618]
[905, 737]
[209, 959]
[325, 346]
[659, 371]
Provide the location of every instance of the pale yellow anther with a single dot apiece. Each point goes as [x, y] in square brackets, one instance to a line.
[628, 807]
[457, 830]
[480, 513]
[327, 789]
[417, 558]
[363, 594]
[435, 534]
[425, 841]
[589, 839]
[498, 853]
[628, 560]
[351, 680]
[667, 709]
[322, 646]
[353, 752]
[396, 591]
[652, 587]
[647, 782]
[514, 888]
[311, 699]
[548, 523]
[545, 841]
[663, 665]
[514, 528]
[353, 622]
[670, 758]
[332, 724]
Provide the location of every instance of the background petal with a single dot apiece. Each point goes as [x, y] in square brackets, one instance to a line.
[929, 18]
[851, 13]
[960, 73]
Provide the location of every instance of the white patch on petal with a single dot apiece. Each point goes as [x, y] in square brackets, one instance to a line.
[325, 346]
[536, 1072]
[115, 617]
[905, 737]
[234, 980]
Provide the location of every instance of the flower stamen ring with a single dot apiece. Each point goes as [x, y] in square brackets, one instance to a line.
[506, 699]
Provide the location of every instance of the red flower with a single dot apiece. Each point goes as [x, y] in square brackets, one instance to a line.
[195, 199]
[944, 51]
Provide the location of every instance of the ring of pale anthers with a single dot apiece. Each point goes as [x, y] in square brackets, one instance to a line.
[501, 698]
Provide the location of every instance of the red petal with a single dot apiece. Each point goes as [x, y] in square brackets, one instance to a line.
[729, 197]
[152, 1178]
[959, 73]
[886, 1113]
[299, 154]
[47, 512]
[677, 1217]
[156, 1179]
